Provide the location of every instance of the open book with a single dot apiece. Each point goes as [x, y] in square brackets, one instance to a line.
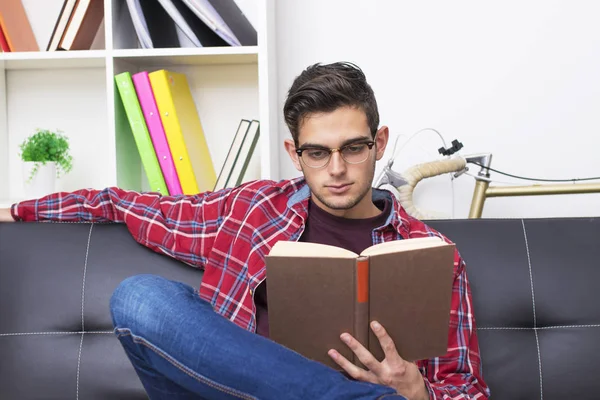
[316, 292]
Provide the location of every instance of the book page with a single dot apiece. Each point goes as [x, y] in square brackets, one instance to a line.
[403, 245]
[139, 24]
[207, 14]
[302, 249]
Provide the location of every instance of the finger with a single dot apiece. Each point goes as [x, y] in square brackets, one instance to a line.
[352, 370]
[386, 342]
[364, 355]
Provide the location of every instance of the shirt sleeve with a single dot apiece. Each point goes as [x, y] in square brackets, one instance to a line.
[458, 374]
[183, 227]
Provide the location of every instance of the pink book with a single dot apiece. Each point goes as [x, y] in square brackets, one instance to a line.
[145, 95]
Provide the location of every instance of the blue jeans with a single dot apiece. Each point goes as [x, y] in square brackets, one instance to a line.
[182, 349]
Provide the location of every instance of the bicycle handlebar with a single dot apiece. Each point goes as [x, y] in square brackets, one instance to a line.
[417, 173]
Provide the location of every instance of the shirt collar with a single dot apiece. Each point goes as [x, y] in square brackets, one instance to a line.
[398, 218]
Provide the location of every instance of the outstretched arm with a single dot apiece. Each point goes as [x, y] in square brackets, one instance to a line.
[182, 227]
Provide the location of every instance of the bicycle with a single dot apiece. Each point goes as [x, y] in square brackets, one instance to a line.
[405, 182]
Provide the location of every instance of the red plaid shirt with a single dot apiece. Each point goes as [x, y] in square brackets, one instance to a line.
[228, 233]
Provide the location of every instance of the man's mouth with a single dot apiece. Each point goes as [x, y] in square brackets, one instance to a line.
[338, 189]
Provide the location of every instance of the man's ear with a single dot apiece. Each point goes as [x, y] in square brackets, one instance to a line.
[290, 147]
[381, 140]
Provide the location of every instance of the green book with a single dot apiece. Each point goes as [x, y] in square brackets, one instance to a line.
[139, 129]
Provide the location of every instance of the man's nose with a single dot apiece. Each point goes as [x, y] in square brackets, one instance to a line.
[337, 165]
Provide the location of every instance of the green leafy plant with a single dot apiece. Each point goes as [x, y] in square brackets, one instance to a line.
[47, 146]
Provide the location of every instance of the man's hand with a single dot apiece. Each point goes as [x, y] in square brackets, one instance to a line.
[5, 215]
[393, 371]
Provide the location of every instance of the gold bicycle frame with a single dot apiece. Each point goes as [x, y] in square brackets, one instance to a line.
[483, 190]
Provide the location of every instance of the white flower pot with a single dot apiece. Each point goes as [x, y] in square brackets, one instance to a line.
[42, 183]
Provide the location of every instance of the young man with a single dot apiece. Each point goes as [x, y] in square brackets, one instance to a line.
[213, 344]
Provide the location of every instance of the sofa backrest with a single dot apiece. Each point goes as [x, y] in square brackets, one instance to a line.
[535, 293]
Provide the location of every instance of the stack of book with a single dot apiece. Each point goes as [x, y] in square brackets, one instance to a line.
[170, 139]
[157, 24]
[191, 23]
[76, 27]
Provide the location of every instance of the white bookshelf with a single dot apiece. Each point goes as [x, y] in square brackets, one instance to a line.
[74, 91]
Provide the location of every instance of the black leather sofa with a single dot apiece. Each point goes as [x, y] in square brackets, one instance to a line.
[534, 283]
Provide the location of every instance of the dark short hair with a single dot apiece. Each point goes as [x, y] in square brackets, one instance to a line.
[325, 88]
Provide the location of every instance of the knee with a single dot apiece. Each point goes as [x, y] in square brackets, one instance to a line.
[130, 302]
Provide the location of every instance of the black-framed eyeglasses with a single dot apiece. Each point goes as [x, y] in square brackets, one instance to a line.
[318, 157]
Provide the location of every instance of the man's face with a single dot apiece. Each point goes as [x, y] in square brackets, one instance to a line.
[339, 187]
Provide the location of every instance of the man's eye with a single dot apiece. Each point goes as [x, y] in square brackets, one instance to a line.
[317, 154]
[356, 148]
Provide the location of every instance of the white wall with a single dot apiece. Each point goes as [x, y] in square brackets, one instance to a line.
[520, 79]
[69, 97]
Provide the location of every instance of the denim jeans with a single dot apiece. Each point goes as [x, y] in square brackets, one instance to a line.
[182, 349]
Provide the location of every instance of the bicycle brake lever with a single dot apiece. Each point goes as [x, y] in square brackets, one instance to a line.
[462, 171]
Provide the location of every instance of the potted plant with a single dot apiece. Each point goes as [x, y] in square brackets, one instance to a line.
[46, 157]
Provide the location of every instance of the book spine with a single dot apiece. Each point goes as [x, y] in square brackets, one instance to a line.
[143, 88]
[140, 133]
[161, 87]
[15, 24]
[361, 312]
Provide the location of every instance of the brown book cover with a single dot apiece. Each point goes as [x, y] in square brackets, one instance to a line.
[61, 24]
[316, 292]
[83, 25]
[16, 27]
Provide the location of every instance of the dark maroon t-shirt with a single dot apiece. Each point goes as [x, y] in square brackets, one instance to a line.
[321, 227]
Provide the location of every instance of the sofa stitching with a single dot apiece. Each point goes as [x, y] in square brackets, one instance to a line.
[530, 273]
[87, 251]
[53, 333]
[538, 328]
[535, 330]
[537, 344]
[78, 365]
[481, 328]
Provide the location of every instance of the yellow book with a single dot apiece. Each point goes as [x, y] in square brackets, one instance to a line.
[184, 131]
